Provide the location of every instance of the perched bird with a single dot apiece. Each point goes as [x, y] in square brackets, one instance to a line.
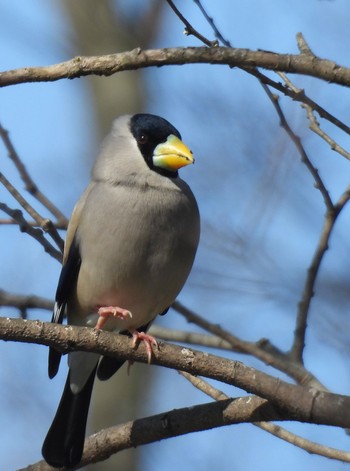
[130, 246]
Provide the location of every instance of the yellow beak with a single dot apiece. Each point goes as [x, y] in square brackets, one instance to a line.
[172, 154]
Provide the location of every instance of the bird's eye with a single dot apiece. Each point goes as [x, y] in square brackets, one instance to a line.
[142, 139]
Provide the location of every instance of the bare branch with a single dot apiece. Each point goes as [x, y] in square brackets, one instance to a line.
[276, 430]
[103, 444]
[10, 222]
[191, 338]
[298, 95]
[303, 404]
[24, 302]
[211, 22]
[307, 445]
[304, 157]
[30, 185]
[36, 233]
[109, 64]
[301, 97]
[314, 125]
[263, 349]
[303, 46]
[189, 29]
[44, 223]
[308, 291]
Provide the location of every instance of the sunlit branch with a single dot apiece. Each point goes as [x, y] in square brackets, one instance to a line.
[110, 64]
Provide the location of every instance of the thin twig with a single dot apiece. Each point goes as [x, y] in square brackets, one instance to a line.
[11, 222]
[301, 97]
[296, 95]
[308, 291]
[262, 350]
[191, 338]
[45, 223]
[211, 22]
[36, 233]
[303, 46]
[283, 121]
[30, 185]
[296, 352]
[303, 155]
[189, 29]
[276, 430]
[314, 125]
[297, 349]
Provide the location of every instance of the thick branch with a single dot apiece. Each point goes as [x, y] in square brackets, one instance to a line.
[131, 60]
[307, 404]
[102, 445]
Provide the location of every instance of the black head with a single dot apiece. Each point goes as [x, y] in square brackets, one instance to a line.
[150, 130]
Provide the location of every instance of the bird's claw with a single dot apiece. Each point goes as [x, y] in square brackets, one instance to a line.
[105, 312]
[149, 341]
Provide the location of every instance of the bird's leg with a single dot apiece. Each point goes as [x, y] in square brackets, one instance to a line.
[105, 312]
[149, 342]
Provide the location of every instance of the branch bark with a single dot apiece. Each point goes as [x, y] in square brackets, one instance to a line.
[103, 444]
[304, 404]
[110, 64]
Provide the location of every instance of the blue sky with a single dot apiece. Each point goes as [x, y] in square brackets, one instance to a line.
[233, 130]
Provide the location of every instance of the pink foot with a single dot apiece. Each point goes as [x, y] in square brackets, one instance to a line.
[111, 311]
[149, 341]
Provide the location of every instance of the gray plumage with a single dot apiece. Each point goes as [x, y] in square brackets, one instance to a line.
[130, 243]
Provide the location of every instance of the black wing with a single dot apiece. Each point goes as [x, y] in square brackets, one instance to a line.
[66, 283]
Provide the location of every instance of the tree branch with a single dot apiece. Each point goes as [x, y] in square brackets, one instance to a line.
[34, 232]
[189, 29]
[307, 404]
[308, 291]
[30, 185]
[24, 302]
[263, 350]
[110, 64]
[276, 430]
[45, 223]
[103, 444]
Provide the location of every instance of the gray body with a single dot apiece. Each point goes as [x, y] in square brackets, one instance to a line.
[131, 243]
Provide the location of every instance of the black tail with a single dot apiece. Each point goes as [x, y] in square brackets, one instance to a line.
[64, 442]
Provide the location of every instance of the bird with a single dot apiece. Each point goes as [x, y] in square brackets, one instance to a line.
[130, 245]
